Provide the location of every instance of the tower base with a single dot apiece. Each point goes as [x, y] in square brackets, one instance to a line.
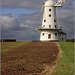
[49, 40]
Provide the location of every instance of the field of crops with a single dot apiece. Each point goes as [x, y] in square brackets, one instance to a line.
[37, 58]
[32, 58]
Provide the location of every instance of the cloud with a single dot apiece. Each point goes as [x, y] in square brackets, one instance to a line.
[20, 28]
[8, 22]
[66, 19]
[28, 4]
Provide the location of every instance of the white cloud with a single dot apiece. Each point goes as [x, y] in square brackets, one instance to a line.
[20, 29]
[28, 4]
[8, 22]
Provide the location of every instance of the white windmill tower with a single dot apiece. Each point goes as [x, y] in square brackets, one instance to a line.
[50, 30]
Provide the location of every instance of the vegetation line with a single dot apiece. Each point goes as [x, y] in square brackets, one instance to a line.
[50, 68]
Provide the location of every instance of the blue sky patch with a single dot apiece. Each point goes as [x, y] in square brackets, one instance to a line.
[17, 12]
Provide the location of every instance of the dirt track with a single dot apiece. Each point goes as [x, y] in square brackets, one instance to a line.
[29, 59]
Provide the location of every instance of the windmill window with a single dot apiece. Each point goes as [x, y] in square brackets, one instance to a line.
[49, 15]
[55, 26]
[62, 39]
[49, 9]
[55, 34]
[54, 20]
[44, 20]
[43, 34]
[50, 26]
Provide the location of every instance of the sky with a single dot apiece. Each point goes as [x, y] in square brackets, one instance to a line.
[19, 18]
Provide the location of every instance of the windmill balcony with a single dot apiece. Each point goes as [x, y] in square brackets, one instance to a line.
[44, 28]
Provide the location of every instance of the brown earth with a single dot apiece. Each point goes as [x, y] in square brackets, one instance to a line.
[29, 59]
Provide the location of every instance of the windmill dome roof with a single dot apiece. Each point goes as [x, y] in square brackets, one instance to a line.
[49, 3]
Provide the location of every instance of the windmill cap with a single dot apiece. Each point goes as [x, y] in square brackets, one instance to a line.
[50, 3]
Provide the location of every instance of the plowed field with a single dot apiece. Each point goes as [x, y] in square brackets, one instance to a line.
[29, 58]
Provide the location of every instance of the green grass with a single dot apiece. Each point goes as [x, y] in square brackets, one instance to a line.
[66, 62]
[8, 46]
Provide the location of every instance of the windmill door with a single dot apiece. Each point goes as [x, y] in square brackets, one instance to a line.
[49, 36]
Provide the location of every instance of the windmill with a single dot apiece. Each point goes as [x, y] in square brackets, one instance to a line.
[49, 30]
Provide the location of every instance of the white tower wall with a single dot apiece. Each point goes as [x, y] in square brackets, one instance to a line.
[49, 21]
[49, 17]
[46, 34]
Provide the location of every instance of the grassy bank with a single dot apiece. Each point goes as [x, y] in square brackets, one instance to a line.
[66, 62]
